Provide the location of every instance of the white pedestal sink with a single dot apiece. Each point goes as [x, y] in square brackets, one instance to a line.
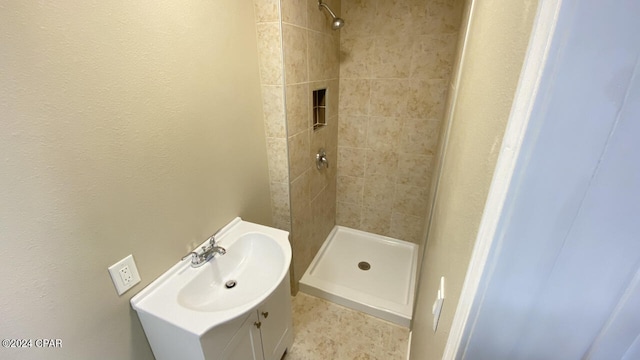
[189, 313]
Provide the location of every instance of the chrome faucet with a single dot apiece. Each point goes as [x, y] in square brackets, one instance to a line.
[206, 253]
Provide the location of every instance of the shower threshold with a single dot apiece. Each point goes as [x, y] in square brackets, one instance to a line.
[365, 272]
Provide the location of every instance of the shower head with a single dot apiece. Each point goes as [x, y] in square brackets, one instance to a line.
[336, 22]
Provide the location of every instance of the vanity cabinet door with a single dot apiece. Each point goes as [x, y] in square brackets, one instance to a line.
[246, 343]
[277, 328]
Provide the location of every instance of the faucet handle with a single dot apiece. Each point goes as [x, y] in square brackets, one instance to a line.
[212, 238]
[193, 254]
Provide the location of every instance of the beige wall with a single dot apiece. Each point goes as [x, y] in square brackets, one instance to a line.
[499, 34]
[127, 127]
[311, 61]
[396, 61]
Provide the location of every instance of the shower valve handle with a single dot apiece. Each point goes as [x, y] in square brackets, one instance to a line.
[321, 159]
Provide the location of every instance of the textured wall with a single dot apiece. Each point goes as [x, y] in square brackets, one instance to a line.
[311, 61]
[499, 34]
[127, 127]
[396, 61]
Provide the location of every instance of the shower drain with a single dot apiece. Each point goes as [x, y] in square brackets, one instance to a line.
[363, 265]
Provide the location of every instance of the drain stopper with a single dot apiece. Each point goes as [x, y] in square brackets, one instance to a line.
[363, 265]
[229, 284]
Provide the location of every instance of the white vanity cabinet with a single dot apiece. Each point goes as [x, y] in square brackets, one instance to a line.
[236, 306]
[276, 323]
[246, 343]
[265, 333]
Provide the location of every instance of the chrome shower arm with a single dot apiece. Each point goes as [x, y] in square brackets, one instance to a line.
[323, 5]
[336, 22]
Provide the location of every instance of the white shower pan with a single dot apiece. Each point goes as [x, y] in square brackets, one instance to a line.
[385, 290]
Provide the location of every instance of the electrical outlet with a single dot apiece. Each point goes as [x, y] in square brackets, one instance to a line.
[124, 274]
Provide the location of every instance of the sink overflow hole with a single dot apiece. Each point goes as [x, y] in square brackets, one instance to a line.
[229, 284]
[363, 265]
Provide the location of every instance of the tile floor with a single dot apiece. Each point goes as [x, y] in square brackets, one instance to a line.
[326, 331]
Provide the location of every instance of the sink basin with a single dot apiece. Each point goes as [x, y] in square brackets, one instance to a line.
[252, 265]
[196, 299]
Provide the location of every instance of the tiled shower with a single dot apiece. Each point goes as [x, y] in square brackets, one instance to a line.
[386, 73]
[396, 62]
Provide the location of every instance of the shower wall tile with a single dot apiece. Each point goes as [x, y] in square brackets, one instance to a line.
[389, 57]
[351, 161]
[273, 108]
[389, 97]
[299, 159]
[348, 214]
[318, 59]
[406, 227]
[393, 17]
[410, 200]
[383, 133]
[355, 95]
[321, 178]
[315, 21]
[376, 220]
[300, 191]
[324, 56]
[270, 53]
[381, 164]
[333, 100]
[294, 12]
[436, 17]
[311, 61]
[295, 54]
[396, 59]
[280, 197]
[414, 169]
[323, 210]
[426, 98]
[266, 10]
[360, 17]
[298, 108]
[332, 45]
[419, 136]
[350, 189]
[282, 221]
[378, 194]
[277, 158]
[301, 227]
[280, 208]
[433, 56]
[355, 57]
[353, 131]
[300, 258]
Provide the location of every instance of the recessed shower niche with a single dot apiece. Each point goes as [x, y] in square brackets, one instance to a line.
[319, 108]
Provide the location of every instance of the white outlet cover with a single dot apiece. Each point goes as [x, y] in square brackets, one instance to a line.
[118, 281]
